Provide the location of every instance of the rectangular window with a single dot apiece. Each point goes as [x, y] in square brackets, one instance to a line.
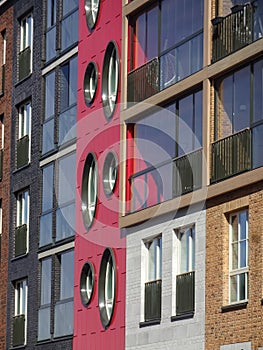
[48, 138]
[64, 304]
[2, 60]
[2, 142]
[20, 313]
[69, 24]
[185, 279]
[22, 223]
[51, 29]
[26, 46]
[44, 312]
[24, 135]
[153, 284]
[238, 269]
[57, 220]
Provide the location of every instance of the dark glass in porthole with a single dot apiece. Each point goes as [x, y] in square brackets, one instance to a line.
[110, 79]
[89, 190]
[107, 287]
[90, 83]
[86, 283]
[92, 11]
[110, 170]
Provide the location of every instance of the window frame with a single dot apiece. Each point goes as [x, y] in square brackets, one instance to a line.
[91, 18]
[23, 208]
[110, 173]
[237, 272]
[20, 303]
[90, 83]
[26, 36]
[87, 282]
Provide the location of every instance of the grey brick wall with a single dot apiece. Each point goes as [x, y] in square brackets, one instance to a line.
[187, 334]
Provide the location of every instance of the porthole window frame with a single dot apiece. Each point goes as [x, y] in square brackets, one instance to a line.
[108, 105]
[105, 316]
[90, 20]
[86, 272]
[91, 71]
[106, 178]
[88, 214]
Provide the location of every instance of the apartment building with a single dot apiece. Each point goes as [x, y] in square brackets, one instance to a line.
[198, 63]
[6, 42]
[99, 294]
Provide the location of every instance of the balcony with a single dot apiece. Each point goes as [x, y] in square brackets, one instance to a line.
[237, 30]
[24, 63]
[22, 151]
[1, 163]
[152, 301]
[185, 293]
[237, 153]
[165, 181]
[173, 65]
[21, 240]
[2, 79]
[19, 330]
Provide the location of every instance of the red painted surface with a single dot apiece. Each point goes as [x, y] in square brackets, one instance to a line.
[98, 135]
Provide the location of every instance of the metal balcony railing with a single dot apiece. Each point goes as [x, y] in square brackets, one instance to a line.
[185, 293]
[24, 63]
[22, 151]
[166, 180]
[231, 155]
[19, 330]
[21, 240]
[143, 81]
[2, 79]
[234, 31]
[152, 301]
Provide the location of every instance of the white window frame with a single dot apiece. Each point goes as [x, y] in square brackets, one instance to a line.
[156, 245]
[239, 270]
[21, 291]
[2, 131]
[25, 24]
[22, 217]
[190, 254]
[4, 47]
[24, 124]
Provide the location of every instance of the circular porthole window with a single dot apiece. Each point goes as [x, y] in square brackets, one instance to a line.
[107, 287]
[110, 171]
[110, 78]
[89, 189]
[86, 283]
[90, 83]
[92, 11]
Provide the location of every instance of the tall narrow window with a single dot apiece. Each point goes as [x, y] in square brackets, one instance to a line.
[45, 300]
[48, 131]
[1, 228]
[238, 272]
[64, 304]
[185, 279]
[153, 285]
[2, 142]
[26, 49]
[22, 221]
[2, 61]
[24, 131]
[20, 313]
[51, 29]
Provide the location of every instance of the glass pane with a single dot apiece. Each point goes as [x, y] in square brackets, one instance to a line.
[234, 256]
[63, 311]
[48, 136]
[196, 46]
[152, 34]
[258, 90]
[67, 275]
[69, 30]
[198, 110]
[243, 224]
[241, 99]
[183, 60]
[47, 189]
[168, 69]
[67, 125]
[185, 137]
[51, 12]
[73, 80]
[225, 107]
[193, 248]
[64, 86]
[46, 281]
[151, 262]
[243, 254]
[183, 253]
[65, 222]
[45, 229]
[50, 43]
[168, 20]
[69, 5]
[50, 95]
[66, 179]
[233, 289]
[44, 323]
[140, 41]
[242, 286]
[234, 227]
[257, 140]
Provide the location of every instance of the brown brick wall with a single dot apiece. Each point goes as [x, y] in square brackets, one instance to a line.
[245, 324]
[6, 23]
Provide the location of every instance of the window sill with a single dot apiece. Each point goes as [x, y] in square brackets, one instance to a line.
[233, 307]
[19, 257]
[54, 340]
[21, 168]
[23, 79]
[149, 323]
[183, 316]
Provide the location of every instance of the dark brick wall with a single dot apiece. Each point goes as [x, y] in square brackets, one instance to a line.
[6, 16]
